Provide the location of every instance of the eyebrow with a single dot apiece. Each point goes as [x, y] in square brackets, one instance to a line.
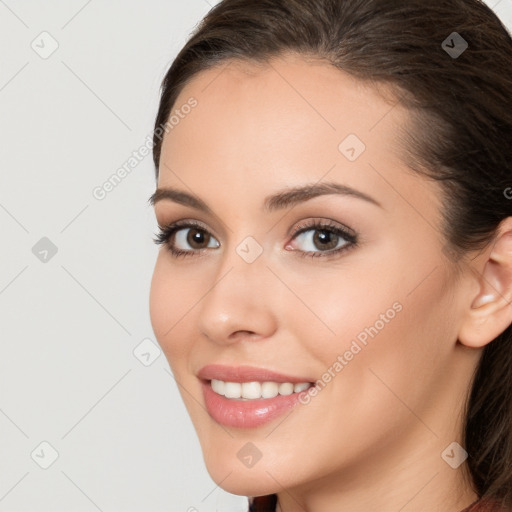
[280, 200]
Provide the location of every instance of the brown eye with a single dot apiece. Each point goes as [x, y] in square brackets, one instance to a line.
[193, 239]
[197, 237]
[185, 239]
[316, 240]
[325, 240]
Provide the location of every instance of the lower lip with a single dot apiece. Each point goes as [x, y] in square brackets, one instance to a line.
[246, 413]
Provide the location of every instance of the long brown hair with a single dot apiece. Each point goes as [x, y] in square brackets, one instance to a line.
[461, 113]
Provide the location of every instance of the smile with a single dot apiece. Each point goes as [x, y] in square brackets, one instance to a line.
[256, 390]
[248, 396]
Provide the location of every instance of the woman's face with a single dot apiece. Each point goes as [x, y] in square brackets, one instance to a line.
[346, 286]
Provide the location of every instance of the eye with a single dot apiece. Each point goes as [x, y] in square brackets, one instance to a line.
[315, 238]
[185, 238]
[196, 238]
[322, 239]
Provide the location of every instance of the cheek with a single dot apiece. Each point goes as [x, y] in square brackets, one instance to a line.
[367, 326]
[406, 345]
[173, 295]
[375, 297]
[339, 308]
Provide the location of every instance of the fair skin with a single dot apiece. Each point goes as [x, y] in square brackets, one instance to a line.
[372, 439]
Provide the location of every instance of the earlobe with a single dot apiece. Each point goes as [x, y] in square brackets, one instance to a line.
[490, 312]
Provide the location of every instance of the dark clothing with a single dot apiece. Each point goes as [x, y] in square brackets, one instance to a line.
[268, 504]
[263, 503]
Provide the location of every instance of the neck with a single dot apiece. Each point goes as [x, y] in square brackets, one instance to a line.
[410, 477]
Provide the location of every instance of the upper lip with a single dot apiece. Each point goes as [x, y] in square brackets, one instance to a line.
[245, 374]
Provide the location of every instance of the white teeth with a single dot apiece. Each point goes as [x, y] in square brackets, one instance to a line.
[255, 390]
[251, 390]
[286, 388]
[269, 389]
[301, 387]
[232, 389]
[218, 386]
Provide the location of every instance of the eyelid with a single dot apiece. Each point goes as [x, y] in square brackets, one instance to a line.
[293, 231]
[187, 223]
[167, 231]
[210, 223]
[324, 222]
[182, 222]
[312, 224]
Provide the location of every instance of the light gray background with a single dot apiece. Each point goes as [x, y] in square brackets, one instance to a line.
[70, 324]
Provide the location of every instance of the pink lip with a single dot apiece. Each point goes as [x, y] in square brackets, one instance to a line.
[246, 374]
[246, 413]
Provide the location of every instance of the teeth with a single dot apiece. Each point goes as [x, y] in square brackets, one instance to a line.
[297, 388]
[286, 388]
[232, 389]
[269, 389]
[255, 390]
[218, 386]
[251, 390]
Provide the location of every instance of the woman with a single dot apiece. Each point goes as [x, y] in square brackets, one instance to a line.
[334, 291]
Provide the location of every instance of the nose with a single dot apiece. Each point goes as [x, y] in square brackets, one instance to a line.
[238, 305]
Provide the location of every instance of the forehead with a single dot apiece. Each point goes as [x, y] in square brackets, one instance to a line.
[289, 98]
[269, 124]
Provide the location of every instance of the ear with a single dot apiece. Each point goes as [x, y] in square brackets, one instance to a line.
[490, 310]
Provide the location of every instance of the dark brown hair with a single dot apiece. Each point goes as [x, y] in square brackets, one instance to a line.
[461, 134]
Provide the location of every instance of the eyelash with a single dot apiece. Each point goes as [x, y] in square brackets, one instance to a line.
[165, 233]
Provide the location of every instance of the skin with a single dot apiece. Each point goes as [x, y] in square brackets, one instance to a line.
[372, 438]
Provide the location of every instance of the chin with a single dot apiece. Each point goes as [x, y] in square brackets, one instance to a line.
[245, 482]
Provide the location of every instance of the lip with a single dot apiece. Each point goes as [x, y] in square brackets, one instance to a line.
[246, 374]
[246, 413]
